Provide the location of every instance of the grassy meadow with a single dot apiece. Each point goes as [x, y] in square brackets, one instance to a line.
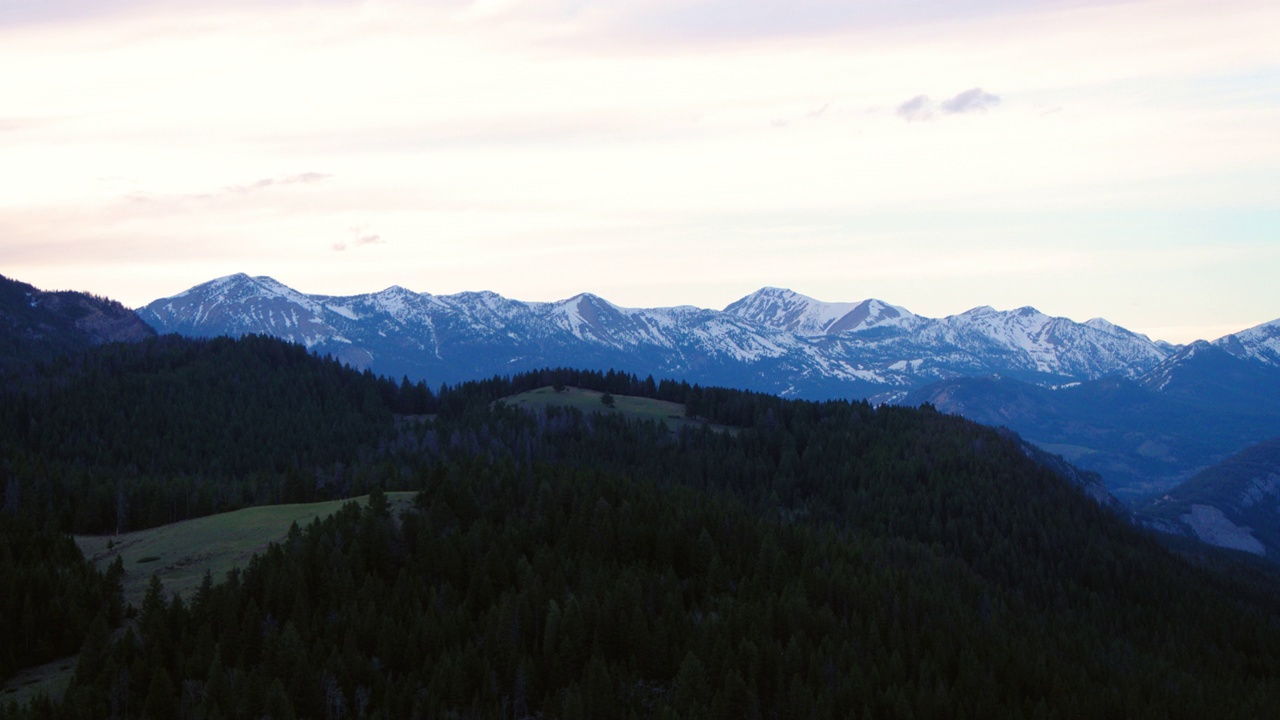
[671, 414]
[181, 553]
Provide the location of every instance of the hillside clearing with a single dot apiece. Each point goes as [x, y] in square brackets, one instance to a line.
[181, 553]
[671, 414]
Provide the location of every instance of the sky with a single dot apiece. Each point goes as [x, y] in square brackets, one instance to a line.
[1088, 158]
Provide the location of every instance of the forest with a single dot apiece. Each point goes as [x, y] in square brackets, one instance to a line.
[782, 559]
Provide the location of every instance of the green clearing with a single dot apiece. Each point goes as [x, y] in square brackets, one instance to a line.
[670, 414]
[181, 553]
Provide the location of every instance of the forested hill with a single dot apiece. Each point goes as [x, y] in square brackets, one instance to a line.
[134, 435]
[37, 325]
[784, 559]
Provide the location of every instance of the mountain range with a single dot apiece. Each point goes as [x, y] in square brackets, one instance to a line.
[773, 340]
[1145, 414]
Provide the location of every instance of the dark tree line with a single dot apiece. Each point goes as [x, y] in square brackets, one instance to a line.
[49, 595]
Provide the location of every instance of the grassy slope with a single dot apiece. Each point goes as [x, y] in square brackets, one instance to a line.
[181, 553]
[669, 413]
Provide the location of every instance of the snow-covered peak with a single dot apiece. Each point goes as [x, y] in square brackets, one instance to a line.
[1102, 324]
[590, 299]
[483, 302]
[871, 313]
[1021, 328]
[788, 310]
[398, 302]
[240, 288]
[590, 317]
[214, 285]
[1056, 345]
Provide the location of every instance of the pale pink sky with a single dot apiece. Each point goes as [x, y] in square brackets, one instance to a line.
[1115, 159]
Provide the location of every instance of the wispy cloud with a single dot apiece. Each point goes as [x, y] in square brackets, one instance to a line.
[921, 107]
[299, 179]
[364, 238]
[971, 100]
[226, 199]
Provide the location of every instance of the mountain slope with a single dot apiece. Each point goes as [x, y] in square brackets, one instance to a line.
[1140, 439]
[1261, 343]
[37, 325]
[1234, 504]
[1203, 402]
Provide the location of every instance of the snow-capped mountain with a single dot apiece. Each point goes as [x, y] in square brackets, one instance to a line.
[802, 315]
[904, 349]
[1245, 365]
[773, 340]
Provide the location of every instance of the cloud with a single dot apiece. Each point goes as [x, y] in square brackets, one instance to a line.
[971, 100]
[364, 238]
[919, 107]
[301, 178]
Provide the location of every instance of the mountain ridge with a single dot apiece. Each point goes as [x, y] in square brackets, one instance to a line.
[772, 340]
